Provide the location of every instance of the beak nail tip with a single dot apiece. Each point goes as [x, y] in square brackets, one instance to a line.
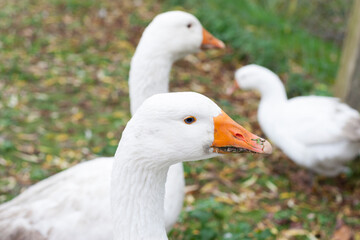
[267, 148]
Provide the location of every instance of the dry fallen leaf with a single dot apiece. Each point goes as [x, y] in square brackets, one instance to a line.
[288, 234]
[343, 233]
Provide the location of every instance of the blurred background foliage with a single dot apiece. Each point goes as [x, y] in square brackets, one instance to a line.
[64, 99]
[290, 37]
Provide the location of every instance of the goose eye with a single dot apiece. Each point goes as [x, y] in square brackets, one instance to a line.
[190, 120]
[189, 25]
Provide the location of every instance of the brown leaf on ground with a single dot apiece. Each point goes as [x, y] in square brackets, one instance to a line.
[290, 233]
[343, 233]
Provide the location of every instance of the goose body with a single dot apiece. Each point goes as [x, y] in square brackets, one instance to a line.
[319, 133]
[54, 208]
[160, 134]
[75, 204]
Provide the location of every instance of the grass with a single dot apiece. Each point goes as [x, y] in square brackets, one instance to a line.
[64, 99]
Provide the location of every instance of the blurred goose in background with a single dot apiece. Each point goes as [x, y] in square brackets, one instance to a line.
[167, 129]
[168, 38]
[318, 133]
[75, 204]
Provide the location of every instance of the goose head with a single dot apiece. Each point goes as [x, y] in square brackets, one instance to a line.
[255, 77]
[177, 33]
[188, 126]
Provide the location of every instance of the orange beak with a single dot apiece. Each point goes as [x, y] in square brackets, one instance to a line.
[230, 137]
[209, 41]
[232, 89]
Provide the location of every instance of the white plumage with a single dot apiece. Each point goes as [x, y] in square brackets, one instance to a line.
[319, 133]
[75, 204]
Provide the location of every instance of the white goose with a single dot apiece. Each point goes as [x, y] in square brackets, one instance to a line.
[167, 129]
[75, 204]
[319, 133]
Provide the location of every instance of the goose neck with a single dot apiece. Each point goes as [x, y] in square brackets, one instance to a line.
[137, 198]
[149, 75]
[273, 93]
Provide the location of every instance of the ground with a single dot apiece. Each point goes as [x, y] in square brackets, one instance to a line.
[64, 99]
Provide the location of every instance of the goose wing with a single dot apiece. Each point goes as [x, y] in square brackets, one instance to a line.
[63, 206]
[319, 120]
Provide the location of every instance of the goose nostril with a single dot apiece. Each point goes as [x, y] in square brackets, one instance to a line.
[240, 136]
